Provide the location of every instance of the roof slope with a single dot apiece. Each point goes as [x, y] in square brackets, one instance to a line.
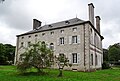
[55, 25]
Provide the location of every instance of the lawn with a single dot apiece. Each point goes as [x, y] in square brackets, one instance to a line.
[9, 73]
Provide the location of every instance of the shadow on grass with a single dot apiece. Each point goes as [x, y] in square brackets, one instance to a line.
[33, 74]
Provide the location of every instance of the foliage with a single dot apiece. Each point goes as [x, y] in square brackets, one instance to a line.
[37, 55]
[114, 52]
[8, 73]
[62, 61]
[105, 65]
[7, 52]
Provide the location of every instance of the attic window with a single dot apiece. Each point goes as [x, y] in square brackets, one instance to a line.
[43, 34]
[22, 37]
[50, 26]
[67, 22]
[29, 36]
[74, 29]
[36, 35]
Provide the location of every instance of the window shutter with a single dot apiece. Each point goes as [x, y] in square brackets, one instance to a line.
[78, 38]
[70, 58]
[58, 43]
[25, 44]
[65, 40]
[78, 58]
[54, 46]
[70, 39]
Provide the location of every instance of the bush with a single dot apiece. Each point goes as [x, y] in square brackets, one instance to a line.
[105, 65]
[117, 63]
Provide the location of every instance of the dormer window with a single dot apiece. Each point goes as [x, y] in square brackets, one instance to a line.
[50, 26]
[67, 22]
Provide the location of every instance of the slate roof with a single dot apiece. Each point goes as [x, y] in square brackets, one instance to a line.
[55, 25]
[62, 24]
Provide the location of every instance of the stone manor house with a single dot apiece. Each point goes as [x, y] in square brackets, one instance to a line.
[79, 40]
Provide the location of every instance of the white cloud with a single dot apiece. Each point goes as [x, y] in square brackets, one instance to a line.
[16, 16]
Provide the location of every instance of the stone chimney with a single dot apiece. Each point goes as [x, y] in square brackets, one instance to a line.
[36, 24]
[91, 13]
[98, 23]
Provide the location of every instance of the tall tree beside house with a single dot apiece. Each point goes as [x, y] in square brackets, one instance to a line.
[7, 52]
[2, 54]
[37, 55]
[114, 52]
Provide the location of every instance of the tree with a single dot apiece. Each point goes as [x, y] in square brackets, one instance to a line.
[37, 55]
[7, 52]
[114, 52]
[62, 61]
[2, 54]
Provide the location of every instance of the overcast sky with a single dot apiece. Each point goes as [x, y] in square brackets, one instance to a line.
[16, 16]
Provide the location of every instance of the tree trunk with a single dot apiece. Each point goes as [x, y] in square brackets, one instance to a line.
[60, 73]
[39, 70]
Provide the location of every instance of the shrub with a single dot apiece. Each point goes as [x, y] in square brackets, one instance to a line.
[105, 65]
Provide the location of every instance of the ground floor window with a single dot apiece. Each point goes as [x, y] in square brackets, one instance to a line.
[96, 62]
[74, 57]
[91, 59]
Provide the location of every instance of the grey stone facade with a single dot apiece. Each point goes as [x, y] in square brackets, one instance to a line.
[82, 42]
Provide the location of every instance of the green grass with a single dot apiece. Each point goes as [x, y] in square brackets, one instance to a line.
[9, 73]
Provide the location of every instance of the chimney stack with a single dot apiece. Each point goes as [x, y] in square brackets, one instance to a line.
[36, 24]
[91, 13]
[98, 23]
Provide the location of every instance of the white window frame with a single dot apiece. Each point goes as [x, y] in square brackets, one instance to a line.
[74, 58]
[74, 39]
[62, 40]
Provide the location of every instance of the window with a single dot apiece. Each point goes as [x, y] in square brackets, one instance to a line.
[74, 39]
[91, 59]
[51, 46]
[74, 29]
[52, 33]
[36, 35]
[67, 22]
[96, 60]
[29, 36]
[29, 43]
[22, 44]
[62, 40]
[22, 37]
[43, 34]
[50, 26]
[74, 57]
[91, 36]
[62, 31]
